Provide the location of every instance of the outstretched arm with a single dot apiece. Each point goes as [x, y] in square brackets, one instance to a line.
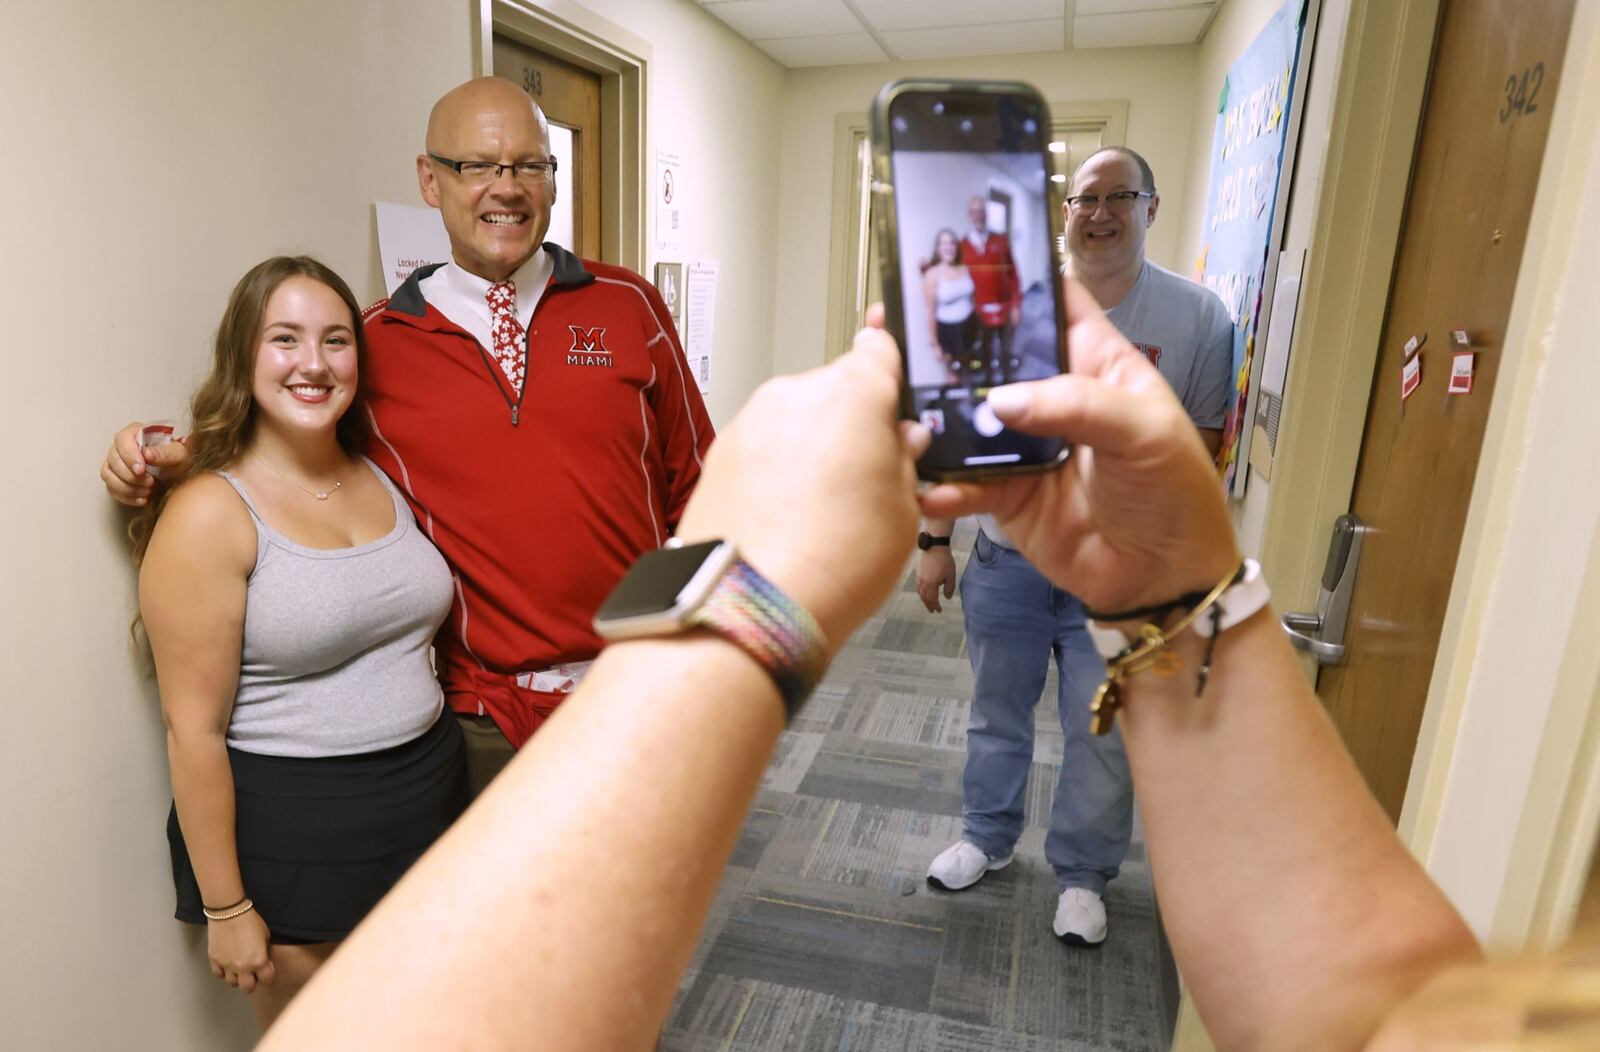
[1296, 915]
[606, 836]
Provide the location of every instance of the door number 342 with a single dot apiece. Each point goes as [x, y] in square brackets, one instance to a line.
[1521, 91]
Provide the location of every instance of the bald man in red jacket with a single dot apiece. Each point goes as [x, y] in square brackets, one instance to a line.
[997, 292]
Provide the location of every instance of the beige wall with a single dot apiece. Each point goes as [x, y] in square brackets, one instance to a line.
[1157, 83]
[191, 139]
[712, 97]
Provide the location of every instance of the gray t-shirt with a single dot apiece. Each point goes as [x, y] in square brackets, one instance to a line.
[1185, 331]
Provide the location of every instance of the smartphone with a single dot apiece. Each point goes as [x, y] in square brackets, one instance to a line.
[966, 225]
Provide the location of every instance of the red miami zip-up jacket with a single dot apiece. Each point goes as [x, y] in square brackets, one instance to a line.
[541, 503]
[997, 290]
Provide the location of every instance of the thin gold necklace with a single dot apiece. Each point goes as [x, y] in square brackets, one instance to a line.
[323, 495]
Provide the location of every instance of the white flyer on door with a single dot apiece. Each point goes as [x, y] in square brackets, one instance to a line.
[408, 237]
[700, 307]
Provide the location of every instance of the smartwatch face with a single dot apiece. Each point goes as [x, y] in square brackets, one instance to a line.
[656, 582]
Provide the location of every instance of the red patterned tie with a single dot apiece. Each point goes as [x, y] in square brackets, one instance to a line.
[507, 332]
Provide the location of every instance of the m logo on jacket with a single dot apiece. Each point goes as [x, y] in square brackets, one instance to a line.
[589, 346]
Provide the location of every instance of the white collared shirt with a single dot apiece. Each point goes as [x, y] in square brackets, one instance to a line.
[464, 297]
[978, 238]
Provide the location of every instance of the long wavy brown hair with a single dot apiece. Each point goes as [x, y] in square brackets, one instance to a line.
[223, 410]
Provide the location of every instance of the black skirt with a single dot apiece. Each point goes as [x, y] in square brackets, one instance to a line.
[321, 840]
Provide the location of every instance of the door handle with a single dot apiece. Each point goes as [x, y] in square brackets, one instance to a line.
[1321, 633]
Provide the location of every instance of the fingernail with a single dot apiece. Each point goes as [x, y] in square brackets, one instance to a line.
[1010, 400]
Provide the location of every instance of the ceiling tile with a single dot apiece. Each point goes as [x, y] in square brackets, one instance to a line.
[1008, 38]
[768, 19]
[885, 15]
[1141, 29]
[841, 50]
[1113, 7]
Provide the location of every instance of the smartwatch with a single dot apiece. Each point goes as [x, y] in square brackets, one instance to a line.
[926, 540]
[683, 587]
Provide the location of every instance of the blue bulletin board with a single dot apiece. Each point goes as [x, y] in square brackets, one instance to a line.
[1246, 201]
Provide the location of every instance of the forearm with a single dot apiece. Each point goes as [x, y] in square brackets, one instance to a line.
[202, 789]
[938, 527]
[597, 879]
[1295, 913]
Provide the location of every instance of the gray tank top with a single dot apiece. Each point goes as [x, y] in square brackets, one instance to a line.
[335, 657]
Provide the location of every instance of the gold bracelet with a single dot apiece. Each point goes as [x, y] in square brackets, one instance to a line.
[220, 916]
[1152, 650]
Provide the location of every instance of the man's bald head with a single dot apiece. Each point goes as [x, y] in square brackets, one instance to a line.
[496, 217]
[466, 105]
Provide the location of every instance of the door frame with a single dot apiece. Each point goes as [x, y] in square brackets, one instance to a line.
[622, 59]
[1516, 687]
[1550, 823]
[1377, 111]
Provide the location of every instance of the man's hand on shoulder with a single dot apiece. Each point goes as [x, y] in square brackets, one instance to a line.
[125, 471]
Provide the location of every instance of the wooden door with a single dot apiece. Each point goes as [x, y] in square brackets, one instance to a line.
[1492, 88]
[570, 98]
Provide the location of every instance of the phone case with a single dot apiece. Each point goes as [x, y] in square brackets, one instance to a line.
[888, 251]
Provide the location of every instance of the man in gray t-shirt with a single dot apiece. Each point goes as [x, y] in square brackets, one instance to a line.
[1015, 619]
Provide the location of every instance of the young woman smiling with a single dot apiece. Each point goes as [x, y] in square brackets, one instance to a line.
[290, 601]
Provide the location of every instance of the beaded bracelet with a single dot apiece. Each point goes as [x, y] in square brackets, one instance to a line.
[218, 915]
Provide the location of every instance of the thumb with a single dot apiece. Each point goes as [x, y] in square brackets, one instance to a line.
[165, 455]
[267, 973]
[1080, 409]
[949, 587]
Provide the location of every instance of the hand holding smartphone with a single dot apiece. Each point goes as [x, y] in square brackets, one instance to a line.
[971, 291]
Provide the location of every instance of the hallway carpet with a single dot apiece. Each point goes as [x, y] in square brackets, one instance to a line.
[824, 934]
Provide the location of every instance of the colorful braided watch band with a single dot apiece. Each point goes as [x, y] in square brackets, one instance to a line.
[753, 613]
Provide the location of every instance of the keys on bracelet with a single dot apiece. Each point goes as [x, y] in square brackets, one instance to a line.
[1150, 653]
[1103, 709]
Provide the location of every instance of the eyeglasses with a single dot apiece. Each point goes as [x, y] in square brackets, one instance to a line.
[482, 173]
[1116, 201]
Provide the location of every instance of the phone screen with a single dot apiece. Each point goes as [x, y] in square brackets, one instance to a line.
[979, 292]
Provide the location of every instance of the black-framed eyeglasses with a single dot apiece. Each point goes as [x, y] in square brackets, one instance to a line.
[1116, 201]
[490, 172]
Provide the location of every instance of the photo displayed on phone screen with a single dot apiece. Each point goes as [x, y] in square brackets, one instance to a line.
[977, 268]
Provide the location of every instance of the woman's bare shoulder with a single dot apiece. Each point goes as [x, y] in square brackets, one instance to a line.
[207, 520]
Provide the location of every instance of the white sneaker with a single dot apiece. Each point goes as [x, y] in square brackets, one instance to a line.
[962, 865]
[1081, 918]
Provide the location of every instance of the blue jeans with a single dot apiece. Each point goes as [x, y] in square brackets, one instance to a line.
[1015, 620]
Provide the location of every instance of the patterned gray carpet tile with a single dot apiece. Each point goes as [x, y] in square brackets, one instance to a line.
[824, 934]
[742, 1015]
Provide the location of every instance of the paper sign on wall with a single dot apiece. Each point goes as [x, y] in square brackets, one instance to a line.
[700, 307]
[1460, 374]
[669, 197]
[409, 237]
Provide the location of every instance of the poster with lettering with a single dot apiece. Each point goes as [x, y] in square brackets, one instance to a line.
[409, 236]
[1247, 152]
